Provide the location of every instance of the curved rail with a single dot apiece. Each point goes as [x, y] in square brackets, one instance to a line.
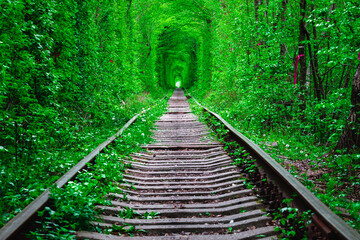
[22, 219]
[325, 219]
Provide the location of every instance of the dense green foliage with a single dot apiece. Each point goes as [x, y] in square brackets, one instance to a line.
[71, 69]
[72, 73]
[253, 79]
[252, 60]
[65, 66]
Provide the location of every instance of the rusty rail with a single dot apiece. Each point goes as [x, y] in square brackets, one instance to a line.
[331, 225]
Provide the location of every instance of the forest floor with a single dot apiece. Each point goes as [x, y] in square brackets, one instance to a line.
[337, 186]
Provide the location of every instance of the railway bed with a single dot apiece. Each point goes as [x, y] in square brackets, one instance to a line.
[190, 182]
[186, 186]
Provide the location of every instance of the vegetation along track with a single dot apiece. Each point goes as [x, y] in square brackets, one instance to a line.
[187, 187]
[189, 180]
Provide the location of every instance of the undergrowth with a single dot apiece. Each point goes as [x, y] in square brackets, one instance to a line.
[333, 178]
[22, 184]
[290, 223]
[73, 206]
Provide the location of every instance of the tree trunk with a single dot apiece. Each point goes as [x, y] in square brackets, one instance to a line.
[347, 78]
[128, 9]
[256, 5]
[266, 14]
[318, 87]
[302, 55]
[283, 20]
[350, 138]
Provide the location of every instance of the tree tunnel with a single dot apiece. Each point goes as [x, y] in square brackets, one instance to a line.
[177, 57]
[182, 44]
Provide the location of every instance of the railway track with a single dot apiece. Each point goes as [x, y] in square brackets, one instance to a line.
[186, 186]
[189, 180]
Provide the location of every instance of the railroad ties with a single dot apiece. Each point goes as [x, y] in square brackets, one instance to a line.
[184, 186]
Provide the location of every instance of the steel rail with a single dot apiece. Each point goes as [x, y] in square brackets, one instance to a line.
[22, 219]
[338, 227]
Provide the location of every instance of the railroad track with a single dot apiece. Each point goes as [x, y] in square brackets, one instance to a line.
[189, 180]
[186, 186]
